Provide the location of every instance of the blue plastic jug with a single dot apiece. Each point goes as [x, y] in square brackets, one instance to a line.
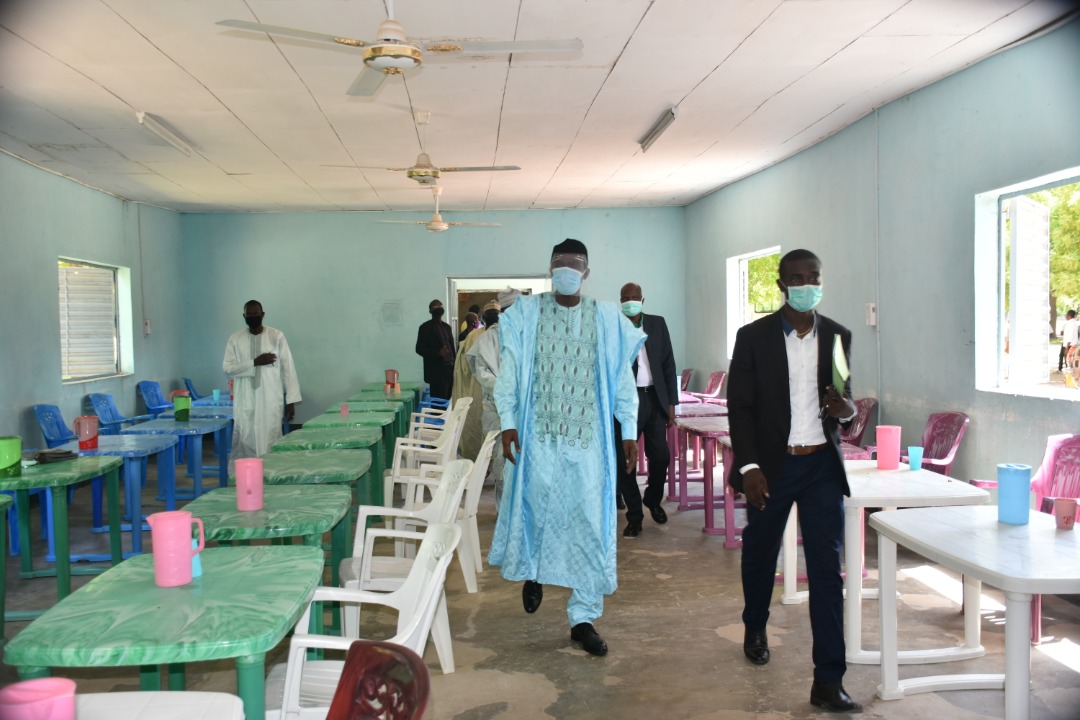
[1014, 493]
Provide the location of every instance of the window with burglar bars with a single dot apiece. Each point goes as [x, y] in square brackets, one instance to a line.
[89, 335]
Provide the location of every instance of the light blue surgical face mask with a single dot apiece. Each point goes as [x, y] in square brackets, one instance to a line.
[631, 308]
[804, 298]
[566, 281]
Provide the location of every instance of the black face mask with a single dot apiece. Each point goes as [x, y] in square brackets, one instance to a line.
[253, 321]
[437, 312]
[491, 318]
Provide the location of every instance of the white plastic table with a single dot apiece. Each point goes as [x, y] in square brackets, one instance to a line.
[1021, 560]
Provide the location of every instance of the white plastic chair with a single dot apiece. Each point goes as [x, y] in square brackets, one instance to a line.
[158, 706]
[428, 423]
[410, 454]
[309, 685]
[381, 573]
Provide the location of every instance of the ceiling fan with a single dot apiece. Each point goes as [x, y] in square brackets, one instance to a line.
[436, 223]
[392, 53]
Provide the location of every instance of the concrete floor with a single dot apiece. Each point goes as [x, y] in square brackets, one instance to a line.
[675, 637]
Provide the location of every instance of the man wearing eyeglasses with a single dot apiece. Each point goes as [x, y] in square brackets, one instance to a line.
[564, 374]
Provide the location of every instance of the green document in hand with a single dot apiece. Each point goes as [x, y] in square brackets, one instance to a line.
[840, 371]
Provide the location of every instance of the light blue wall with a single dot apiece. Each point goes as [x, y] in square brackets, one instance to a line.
[892, 198]
[43, 217]
[323, 279]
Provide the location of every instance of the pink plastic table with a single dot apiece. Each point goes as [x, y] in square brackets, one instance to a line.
[677, 451]
[708, 430]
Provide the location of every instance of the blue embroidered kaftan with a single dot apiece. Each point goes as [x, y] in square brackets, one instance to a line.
[564, 374]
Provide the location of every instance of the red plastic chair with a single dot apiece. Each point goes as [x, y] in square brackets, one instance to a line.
[854, 434]
[1057, 476]
[712, 390]
[941, 440]
[381, 681]
[684, 380]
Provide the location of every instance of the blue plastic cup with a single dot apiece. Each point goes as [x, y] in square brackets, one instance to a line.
[1014, 493]
[914, 457]
[217, 395]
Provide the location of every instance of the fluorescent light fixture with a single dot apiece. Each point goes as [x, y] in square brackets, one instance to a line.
[150, 123]
[657, 130]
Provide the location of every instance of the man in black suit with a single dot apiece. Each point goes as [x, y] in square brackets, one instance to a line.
[785, 416]
[435, 343]
[658, 393]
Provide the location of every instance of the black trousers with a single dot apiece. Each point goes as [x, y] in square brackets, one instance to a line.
[442, 382]
[814, 482]
[652, 423]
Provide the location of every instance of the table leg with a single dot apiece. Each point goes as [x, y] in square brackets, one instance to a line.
[251, 684]
[166, 468]
[112, 492]
[63, 542]
[150, 675]
[22, 508]
[133, 495]
[710, 461]
[176, 677]
[682, 441]
[378, 467]
[791, 594]
[673, 451]
[889, 689]
[1017, 655]
[195, 465]
[853, 562]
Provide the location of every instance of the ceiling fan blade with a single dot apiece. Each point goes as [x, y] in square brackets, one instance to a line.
[405, 222]
[366, 83]
[479, 169]
[521, 46]
[291, 32]
[464, 224]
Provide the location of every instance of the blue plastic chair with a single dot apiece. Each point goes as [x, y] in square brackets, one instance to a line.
[53, 427]
[191, 389]
[109, 418]
[152, 397]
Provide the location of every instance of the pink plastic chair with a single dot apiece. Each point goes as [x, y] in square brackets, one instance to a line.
[863, 408]
[941, 440]
[684, 380]
[1057, 476]
[712, 390]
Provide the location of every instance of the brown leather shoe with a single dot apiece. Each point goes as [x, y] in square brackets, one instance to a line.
[833, 698]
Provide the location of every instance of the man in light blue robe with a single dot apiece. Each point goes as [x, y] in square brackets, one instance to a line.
[564, 375]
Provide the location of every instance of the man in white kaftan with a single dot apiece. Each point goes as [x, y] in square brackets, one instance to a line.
[564, 375]
[483, 358]
[265, 387]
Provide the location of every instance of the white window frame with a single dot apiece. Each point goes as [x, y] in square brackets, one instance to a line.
[119, 327]
[990, 286]
[737, 291]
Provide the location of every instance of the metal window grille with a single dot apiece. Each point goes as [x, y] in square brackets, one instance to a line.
[89, 329]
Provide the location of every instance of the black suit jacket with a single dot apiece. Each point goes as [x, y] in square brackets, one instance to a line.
[759, 395]
[431, 336]
[661, 359]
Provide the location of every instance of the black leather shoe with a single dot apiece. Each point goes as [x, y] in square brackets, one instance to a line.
[755, 646]
[633, 529]
[619, 504]
[658, 515]
[833, 698]
[586, 634]
[532, 594]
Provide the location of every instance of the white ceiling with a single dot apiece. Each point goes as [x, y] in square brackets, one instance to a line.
[754, 81]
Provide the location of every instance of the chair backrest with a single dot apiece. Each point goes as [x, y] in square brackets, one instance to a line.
[381, 681]
[420, 593]
[191, 389]
[53, 428]
[474, 487]
[684, 380]
[1059, 474]
[716, 381]
[153, 399]
[109, 417]
[854, 433]
[942, 437]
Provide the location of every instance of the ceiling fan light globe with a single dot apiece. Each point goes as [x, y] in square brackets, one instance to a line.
[427, 176]
[392, 57]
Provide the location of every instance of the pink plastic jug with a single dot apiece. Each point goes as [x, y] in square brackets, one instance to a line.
[41, 699]
[249, 484]
[392, 377]
[888, 447]
[170, 533]
[86, 427]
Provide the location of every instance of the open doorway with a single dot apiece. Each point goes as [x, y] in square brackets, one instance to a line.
[465, 292]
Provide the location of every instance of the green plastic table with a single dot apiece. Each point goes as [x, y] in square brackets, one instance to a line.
[340, 438]
[244, 603]
[399, 407]
[6, 502]
[372, 419]
[411, 388]
[305, 511]
[57, 477]
[411, 399]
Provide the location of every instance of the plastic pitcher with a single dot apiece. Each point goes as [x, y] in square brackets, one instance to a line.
[170, 533]
[888, 447]
[392, 377]
[86, 427]
[10, 456]
[182, 407]
[249, 484]
[1014, 493]
[344, 409]
[42, 699]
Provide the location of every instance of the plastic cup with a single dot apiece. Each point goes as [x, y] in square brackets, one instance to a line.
[888, 447]
[344, 409]
[217, 394]
[10, 456]
[1065, 513]
[914, 457]
[42, 699]
[182, 408]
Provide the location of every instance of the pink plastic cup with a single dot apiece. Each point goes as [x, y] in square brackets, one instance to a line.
[1065, 513]
[249, 484]
[888, 447]
[42, 699]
